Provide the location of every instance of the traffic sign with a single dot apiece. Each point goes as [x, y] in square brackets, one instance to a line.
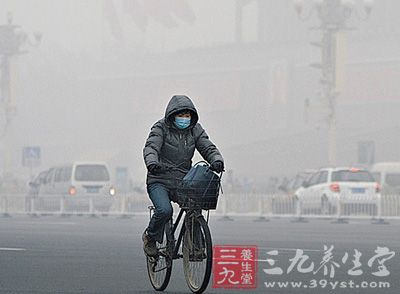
[31, 156]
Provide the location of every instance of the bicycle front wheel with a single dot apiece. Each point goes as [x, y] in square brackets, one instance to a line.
[197, 253]
[159, 268]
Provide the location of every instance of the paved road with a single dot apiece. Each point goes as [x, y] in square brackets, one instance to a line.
[104, 255]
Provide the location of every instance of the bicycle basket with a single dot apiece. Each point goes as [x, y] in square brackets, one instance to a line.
[199, 188]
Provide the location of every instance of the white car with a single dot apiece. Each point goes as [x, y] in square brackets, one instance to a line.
[330, 186]
[78, 182]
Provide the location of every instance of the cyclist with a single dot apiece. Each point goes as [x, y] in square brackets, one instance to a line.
[171, 143]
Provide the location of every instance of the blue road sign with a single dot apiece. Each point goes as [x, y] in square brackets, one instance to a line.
[31, 156]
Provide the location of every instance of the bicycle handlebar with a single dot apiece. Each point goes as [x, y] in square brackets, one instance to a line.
[170, 167]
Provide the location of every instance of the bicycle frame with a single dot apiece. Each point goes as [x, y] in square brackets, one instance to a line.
[193, 227]
[171, 236]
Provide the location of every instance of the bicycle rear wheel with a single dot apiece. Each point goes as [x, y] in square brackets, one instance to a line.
[197, 254]
[159, 268]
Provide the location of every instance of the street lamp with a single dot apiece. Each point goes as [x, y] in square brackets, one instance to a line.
[333, 15]
[13, 41]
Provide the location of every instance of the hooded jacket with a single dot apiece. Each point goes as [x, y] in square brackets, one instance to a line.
[173, 147]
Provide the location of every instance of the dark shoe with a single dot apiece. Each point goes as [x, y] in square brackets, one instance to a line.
[149, 245]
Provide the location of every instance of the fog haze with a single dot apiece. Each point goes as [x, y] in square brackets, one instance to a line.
[105, 71]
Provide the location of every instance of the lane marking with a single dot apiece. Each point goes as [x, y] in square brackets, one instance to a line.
[12, 249]
[47, 223]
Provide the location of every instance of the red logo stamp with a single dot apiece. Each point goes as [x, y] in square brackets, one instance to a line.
[235, 266]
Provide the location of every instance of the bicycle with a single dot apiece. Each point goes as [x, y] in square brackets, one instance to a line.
[194, 236]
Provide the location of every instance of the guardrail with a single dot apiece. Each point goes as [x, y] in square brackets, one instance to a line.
[64, 205]
[261, 207]
[267, 206]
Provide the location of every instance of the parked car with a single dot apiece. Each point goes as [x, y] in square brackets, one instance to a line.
[329, 185]
[387, 174]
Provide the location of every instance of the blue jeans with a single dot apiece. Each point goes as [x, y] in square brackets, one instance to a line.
[161, 197]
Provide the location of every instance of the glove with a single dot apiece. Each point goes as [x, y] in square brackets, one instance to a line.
[217, 166]
[156, 168]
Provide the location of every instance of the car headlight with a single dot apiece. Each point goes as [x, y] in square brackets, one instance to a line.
[112, 191]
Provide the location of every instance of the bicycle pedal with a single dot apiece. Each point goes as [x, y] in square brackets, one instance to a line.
[163, 254]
